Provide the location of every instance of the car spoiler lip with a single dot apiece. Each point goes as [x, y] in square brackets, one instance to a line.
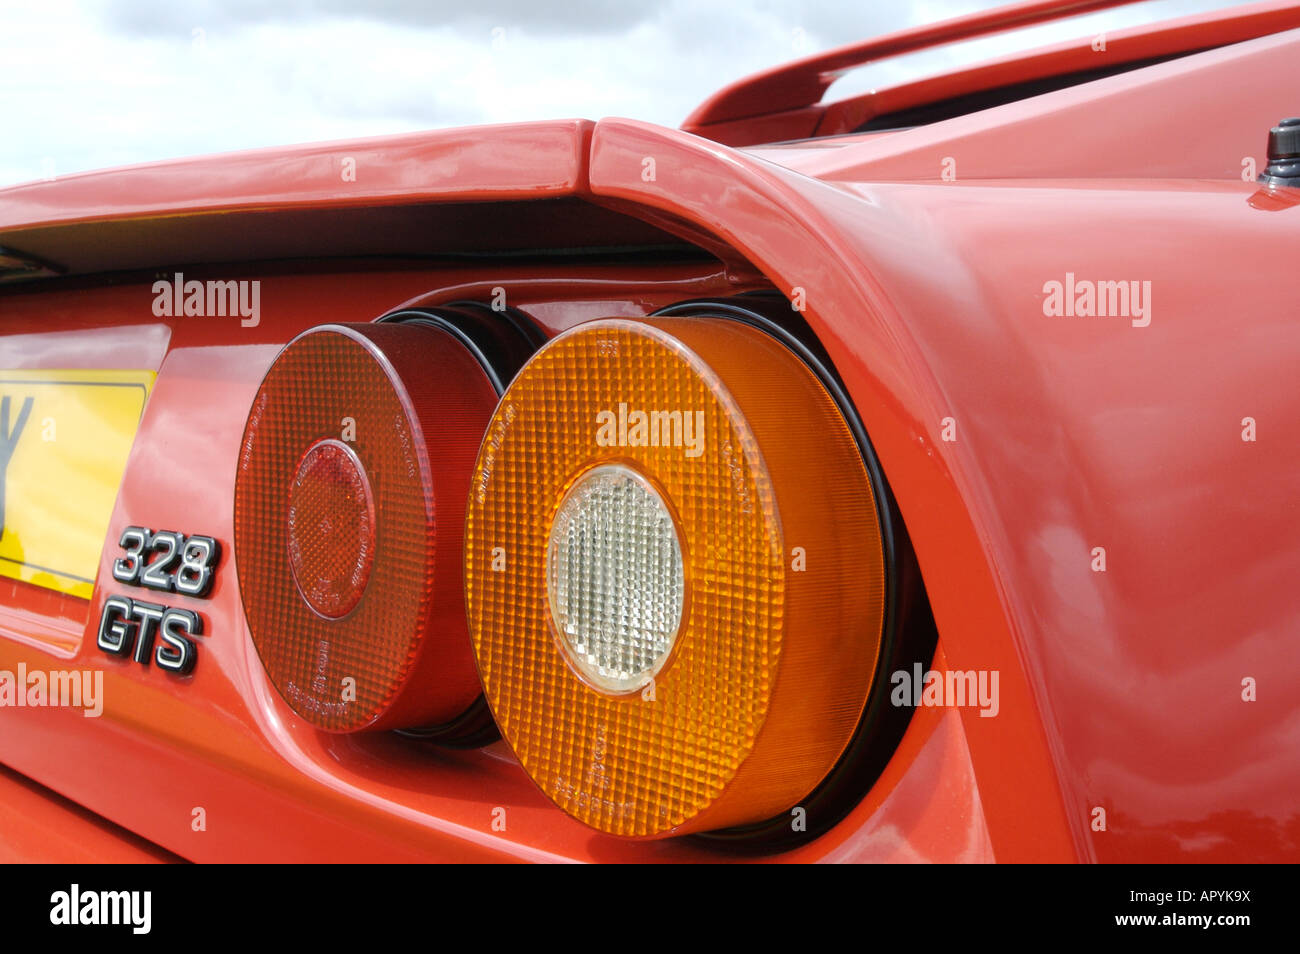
[531, 160]
[804, 82]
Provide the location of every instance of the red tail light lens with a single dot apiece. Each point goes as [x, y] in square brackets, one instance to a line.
[331, 529]
[349, 515]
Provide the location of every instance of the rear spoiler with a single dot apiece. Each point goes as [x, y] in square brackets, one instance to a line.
[804, 82]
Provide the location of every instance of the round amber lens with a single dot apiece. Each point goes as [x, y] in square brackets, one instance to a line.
[674, 575]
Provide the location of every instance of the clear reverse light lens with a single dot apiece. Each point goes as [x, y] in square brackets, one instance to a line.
[615, 578]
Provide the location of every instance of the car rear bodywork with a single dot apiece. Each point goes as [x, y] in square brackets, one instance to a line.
[1016, 441]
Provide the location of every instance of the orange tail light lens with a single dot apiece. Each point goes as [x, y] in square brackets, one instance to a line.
[349, 520]
[674, 575]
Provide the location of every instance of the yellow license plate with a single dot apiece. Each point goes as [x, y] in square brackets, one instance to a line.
[64, 440]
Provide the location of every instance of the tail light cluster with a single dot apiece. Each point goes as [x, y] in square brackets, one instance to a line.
[659, 556]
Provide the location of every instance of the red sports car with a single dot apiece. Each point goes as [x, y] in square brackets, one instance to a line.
[908, 477]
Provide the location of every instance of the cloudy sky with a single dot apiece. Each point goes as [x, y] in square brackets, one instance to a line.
[86, 84]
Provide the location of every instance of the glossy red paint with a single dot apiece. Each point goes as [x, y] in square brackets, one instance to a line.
[1133, 45]
[797, 85]
[523, 161]
[56, 831]
[784, 104]
[1120, 690]
[1198, 117]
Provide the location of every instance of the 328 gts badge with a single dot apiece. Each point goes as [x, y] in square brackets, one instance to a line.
[168, 562]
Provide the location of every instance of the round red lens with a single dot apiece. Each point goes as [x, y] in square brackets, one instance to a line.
[331, 529]
[349, 520]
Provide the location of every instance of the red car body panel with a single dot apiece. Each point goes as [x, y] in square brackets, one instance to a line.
[54, 830]
[747, 112]
[803, 83]
[1120, 690]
